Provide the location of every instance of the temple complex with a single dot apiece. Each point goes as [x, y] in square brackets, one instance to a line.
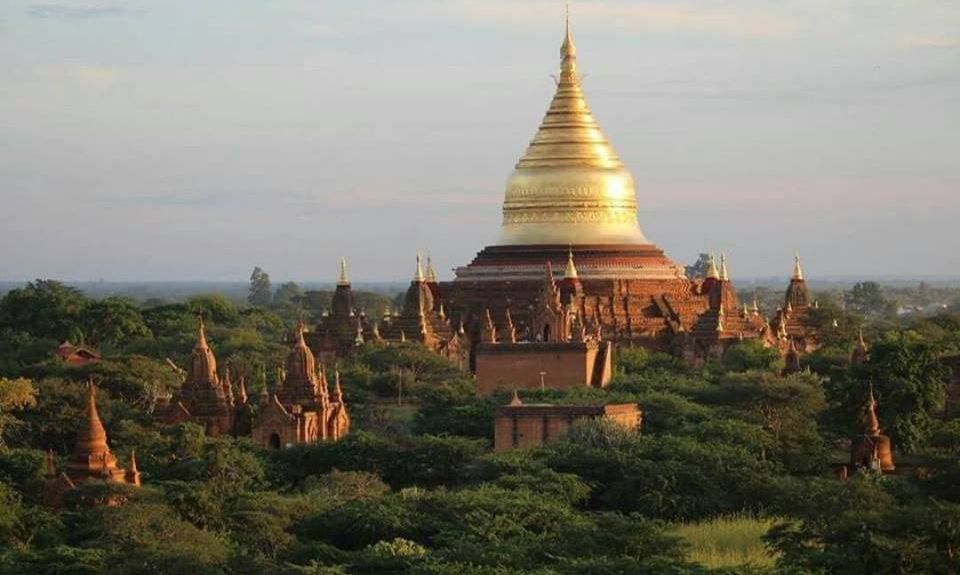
[520, 424]
[570, 199]
[91, 459]
[302, 409]
[872, 450]
[204, 398]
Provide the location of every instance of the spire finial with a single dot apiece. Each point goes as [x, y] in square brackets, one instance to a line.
[431, 273]
[571, 271]
[418, 276]
[568, 50]
[301, 327]
[872, 423]
[712, 272]
[133, 461]
[797, 270]
[201, 333]
[342, 279]
[723, 267]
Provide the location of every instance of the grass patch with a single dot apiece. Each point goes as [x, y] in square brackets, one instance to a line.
[729, 541]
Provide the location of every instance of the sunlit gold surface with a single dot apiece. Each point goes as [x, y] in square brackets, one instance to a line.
[570, 186]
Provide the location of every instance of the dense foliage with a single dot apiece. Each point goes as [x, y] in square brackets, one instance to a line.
[415, 487]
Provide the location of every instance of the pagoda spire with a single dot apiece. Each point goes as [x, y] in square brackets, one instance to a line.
[201, 334]
[797, 270]
[418, 276]
[712, 272]
[571, 271]
[724, 276]
[568, 50]
[242, 391]
[871, 423]
[92, 437]
[431, 273]
[343, 279]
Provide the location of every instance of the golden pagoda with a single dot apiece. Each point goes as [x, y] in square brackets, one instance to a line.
[570, 199]
[570, 186]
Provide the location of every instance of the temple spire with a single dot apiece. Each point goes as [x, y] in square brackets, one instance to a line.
[797, 270]
[724, 276]
[568, 50]
[571, 271]
[201, 334]
[343, 279]
[431, 273]
[872, 424]
[712, 272]
[418, 276]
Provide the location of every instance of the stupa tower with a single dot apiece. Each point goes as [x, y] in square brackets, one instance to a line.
[570, 190]
[570, 199]
[570, 187]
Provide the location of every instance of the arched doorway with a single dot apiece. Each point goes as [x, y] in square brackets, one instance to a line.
[546, 332]
[274, 441]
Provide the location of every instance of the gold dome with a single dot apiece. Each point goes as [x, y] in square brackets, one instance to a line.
[570, 186]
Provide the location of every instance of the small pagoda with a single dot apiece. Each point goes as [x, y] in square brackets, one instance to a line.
[91, 459]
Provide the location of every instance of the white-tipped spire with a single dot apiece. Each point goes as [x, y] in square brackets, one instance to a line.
[418, 276]
[723, 267]
[431, 273]
[712, 272]
[571, 271]
[797, 270]
[342, 279]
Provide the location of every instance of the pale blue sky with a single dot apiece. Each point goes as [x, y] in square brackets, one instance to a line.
[194, 139]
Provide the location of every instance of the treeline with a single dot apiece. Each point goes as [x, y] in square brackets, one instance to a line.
[414, 489]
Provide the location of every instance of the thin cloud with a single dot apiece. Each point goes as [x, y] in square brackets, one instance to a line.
[70, 12]
[634, 16]
[930, 42]
[80, 73]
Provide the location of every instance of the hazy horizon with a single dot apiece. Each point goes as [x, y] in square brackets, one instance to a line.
[149, 141]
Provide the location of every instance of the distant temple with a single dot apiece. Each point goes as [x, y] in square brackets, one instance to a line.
[520, 424]
[91, 459]
[301, 409]
[205, 398]
[792, 327]
[343, 328]
[76, 355]
[423, 318]
[872, 450]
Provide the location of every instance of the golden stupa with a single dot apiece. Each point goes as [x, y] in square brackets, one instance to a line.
[570, 186]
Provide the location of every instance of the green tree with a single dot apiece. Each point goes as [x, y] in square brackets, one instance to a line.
[45, 309]
[260, 291]
[866, 297]
[113, 321]
[698, 269]
[750, 355]
[908, 380]
[214, 307]
[15, 395]
[288, 294]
